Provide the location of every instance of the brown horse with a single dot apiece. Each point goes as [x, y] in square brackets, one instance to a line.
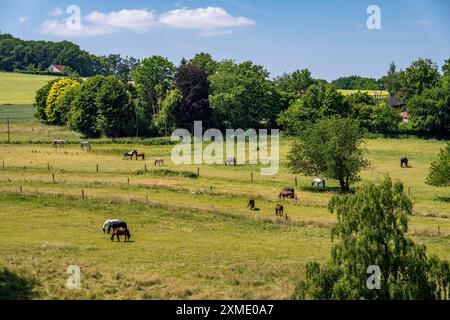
[121, 232]
[160, 162]
[279, 210]
[287, 193]
[142, 155]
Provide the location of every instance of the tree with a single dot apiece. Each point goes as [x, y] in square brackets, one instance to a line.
[41, 100]
[193, 85]
[53, 113]
[430, 110]
[242, 96]
[371, 231]
[165, 122]
[334, 103]
[439, 175]
[64, 102]
[295, 83]
[205, 62]
[384, 119]
[422, 74]
[446, 67]
[332, 148]
[116, 112]
[153, 79]
[84, 112]
[391, 81]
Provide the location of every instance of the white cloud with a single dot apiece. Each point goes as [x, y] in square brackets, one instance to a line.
[56, 11]
[134, 20]
[210, 21]
[23, 19]
[203, 18]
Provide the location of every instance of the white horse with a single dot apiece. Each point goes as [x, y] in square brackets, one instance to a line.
[231, 161]
[108, 222]
[318, 182]
[60, 143]
[85, 144]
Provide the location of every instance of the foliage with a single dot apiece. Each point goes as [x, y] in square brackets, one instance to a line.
[422, 74]
[193, 85]
[116, 112]
[154, 78]
[242, 96]
[205, 62]
[332, 148]
[384, 119]
[319, 101]
[357, 83]
[371, 231]
[430, 111]
[294, 83]
[164, 122]
[84, 112]
[391, 81]
[41, 99]
[440, 169]
[53, 113]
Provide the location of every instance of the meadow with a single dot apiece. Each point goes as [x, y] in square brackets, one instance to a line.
[20, 89]
[192, 237]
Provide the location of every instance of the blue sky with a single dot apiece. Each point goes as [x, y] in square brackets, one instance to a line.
[329, 37]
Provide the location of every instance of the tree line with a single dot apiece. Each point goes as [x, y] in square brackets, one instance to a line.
[227, 94]
[36, 56]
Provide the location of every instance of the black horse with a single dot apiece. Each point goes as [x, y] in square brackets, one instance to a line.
[117, 225]
[404, 162]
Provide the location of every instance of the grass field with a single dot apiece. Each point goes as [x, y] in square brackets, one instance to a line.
[378, 93]
[20, 89]
[192, 237]
[16, 112]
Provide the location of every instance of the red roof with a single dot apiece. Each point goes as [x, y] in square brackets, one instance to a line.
[58, 66]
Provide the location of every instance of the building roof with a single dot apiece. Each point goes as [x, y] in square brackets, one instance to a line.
[58, 66]
[395, 102]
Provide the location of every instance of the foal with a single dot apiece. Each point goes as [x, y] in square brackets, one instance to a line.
[121, 232]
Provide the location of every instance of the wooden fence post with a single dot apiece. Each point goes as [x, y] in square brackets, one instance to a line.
[48, 166]
[97, 167]
[198, 171]
[53, 177]
[145, 167]
[82, 194]
[251, 176]
[296, 181]
[21, 189]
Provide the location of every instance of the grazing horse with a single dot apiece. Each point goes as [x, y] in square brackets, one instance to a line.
[159, 162]
[85, 144]
[230, 161]
[121, 232]
[404, 162]
[279, 210]
[318, 182]
[130, 155]
[108, 222]
[117, 225]
[142, 155]
[60, 143]
[287, 193]
[251, 204]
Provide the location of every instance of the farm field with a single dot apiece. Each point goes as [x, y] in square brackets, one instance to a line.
[192, 237]
[20, 89]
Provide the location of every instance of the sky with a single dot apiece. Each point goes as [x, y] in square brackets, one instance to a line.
[329, 37]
